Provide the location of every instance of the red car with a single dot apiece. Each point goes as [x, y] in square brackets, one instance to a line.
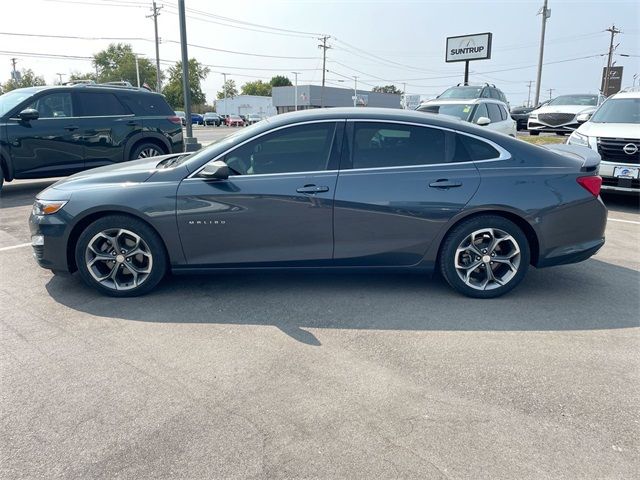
[234, 121]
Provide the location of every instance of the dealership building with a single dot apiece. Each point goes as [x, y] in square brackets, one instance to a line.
[311, 96]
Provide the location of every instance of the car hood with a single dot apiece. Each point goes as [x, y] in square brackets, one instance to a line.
[575, 109]
[616, 130]
[136, 171]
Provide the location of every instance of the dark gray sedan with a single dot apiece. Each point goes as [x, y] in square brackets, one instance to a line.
[347, 188]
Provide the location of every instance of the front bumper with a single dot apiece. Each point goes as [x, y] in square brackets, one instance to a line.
[50, 232]
[616, 184]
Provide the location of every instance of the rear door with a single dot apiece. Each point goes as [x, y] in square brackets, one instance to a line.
[106, 124]
[276, 208]
[398, 186]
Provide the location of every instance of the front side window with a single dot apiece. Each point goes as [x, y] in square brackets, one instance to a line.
[302, 148]
[494, 112]
[54, 105]
[100, 105]
[378, 145]
[481, 111]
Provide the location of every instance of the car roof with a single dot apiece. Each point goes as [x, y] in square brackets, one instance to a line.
[462, 101]
[91, 87]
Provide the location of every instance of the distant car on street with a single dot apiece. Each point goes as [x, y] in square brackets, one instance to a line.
[197, 119]
[234, 121]
[560, 114]
[212, 118]
[57, 131]
[491, 114]
[521, 116]
[252, 118]
[182, 116]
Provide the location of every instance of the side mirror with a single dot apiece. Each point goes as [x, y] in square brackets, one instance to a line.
[583, 117]
[28, 114]
[482, 121]
[217, 170]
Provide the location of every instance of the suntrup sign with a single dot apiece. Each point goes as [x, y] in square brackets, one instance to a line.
[469, 47]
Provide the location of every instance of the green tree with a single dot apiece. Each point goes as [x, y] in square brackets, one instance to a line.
[387, 89]
[230, 88]
[118, 62]
[173, 89]
[27, 79]
[280, 81]
[256, 88]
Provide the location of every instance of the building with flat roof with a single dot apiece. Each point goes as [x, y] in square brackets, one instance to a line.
[311, 96]
[245, 105]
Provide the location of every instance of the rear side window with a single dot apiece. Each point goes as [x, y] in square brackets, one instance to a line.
[503, 112]
[93, 104]
[378, 145]
[494, 112]
[147, 104]
[471, 149]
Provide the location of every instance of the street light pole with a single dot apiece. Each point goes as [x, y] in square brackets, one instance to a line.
[355, 90]
[137, 69]
[224, 90]
[190, 143]
[546, 13]
[295, 91]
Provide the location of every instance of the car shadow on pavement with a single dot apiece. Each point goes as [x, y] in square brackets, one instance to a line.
[19, 194]
[588, 296]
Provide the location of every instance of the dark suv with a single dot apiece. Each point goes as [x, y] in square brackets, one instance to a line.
[57, 131]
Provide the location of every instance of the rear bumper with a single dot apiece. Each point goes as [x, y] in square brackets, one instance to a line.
[571, 254]
[615, 184]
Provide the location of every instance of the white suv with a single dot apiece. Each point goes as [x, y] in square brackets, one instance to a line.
[614, 132]
[493, 114]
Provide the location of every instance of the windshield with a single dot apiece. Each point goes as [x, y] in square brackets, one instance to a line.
[586, 100]
[618, 110]
[460, 110]
[10, 99]
[462, 92]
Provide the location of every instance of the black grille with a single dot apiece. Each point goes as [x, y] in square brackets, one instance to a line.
[555, 119]
[612, 150]
[621, 182]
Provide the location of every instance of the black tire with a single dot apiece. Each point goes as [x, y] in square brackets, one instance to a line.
[146, 150]
[457, 237]
[534, 133]
[1, 177]
[560, 134]
[156, 266]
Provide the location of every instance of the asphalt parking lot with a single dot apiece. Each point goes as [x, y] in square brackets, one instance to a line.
[319, 375]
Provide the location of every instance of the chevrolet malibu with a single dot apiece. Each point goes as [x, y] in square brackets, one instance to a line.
[333, 188]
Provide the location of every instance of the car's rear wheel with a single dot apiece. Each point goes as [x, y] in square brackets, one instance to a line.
[120, 256]
[146, 150]
[485, 257]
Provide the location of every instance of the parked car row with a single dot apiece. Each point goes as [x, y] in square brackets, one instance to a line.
[216, 120]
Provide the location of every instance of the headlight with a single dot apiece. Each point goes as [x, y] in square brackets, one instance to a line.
[578, 139]
[47, 207]
[533, 116]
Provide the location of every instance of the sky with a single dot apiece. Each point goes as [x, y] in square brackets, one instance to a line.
[381, 42]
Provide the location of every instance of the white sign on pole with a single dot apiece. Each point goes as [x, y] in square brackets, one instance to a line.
[469, 47]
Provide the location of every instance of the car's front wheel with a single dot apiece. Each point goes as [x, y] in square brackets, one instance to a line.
[485, 257]
[146, 150]
[120, 256]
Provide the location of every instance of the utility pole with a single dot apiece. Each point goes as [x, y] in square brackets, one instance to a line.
[14, 75]
[60, 78]
[97, 75]
[529, 96]
[224, 90]
[613, 30]
[355, 90]
[324, 48]
[137, 69]
[404, 95]
[550, 91]
[295, 92]
[546, 13]
[190, 143]
[156, 11]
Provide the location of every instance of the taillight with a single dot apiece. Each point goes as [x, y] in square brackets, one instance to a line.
[174, 119]
[592, 184]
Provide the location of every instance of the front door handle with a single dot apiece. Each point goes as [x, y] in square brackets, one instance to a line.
[445, 183]
[132, 123]
[71, 128]
[312, 189]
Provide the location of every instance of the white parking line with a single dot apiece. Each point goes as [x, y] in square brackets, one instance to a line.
[623, 221]
[12, 247]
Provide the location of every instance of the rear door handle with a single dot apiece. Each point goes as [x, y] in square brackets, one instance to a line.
[445, 183]
[132, 123]
[312, 189]
[71, 127]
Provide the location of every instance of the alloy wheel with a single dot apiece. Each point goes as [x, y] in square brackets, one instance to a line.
[487, 259]
[149, 152]
[118, 259]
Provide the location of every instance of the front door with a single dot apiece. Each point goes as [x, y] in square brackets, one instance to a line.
[399, 186]
[276, 208]
[52, 145]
